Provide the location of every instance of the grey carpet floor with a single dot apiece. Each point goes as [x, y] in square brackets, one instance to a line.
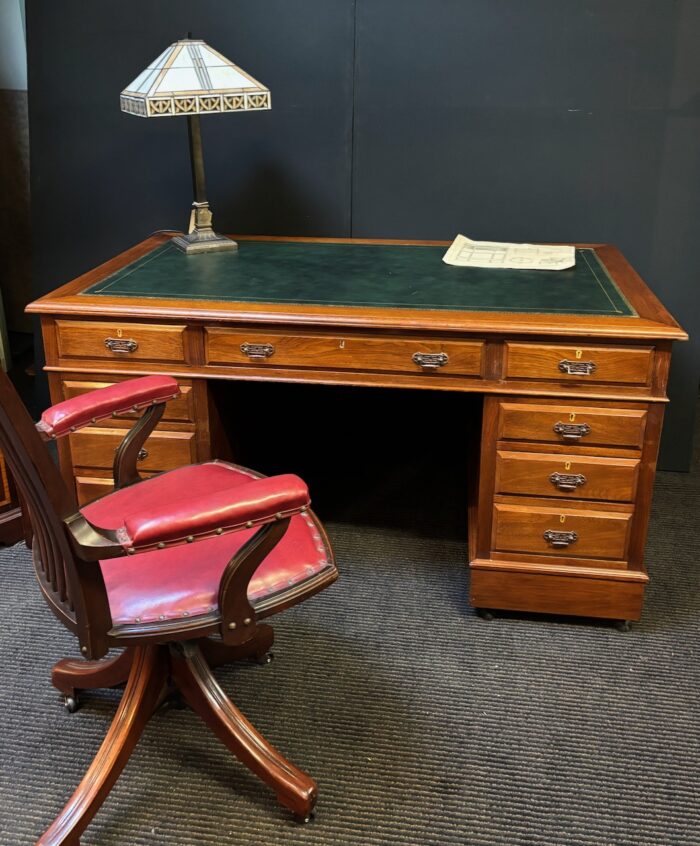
[422, 723]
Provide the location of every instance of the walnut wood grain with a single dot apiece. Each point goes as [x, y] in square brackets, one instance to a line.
[512, 359]
[143, 690]
[96, 447]
[89, 339]
[613, 364]
[653, 322]
[336, 351]
[294, 789]
[70, 674]
[521, 527]
[606, 426]
[546, 592]
[596, 478]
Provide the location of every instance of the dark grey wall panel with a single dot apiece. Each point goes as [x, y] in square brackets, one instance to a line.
[544, 120]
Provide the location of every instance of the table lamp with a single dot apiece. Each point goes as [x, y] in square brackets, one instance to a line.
[190, 78]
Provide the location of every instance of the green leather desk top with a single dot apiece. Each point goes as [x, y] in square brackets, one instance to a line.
[364, 275]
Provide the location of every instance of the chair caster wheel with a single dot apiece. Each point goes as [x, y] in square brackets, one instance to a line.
[623, 625]
[484, 613]
[303, 819]
[266, 658]
[71, 704]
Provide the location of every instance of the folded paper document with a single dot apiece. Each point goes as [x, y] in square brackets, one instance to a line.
[463, 252]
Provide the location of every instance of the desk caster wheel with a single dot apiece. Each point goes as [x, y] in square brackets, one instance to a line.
[71, 704]
[265, 658]
[623, 625]
[484, 613]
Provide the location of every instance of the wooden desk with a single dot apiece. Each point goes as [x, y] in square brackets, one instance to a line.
[572, 367]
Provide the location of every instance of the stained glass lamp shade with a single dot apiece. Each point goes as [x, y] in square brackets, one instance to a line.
[191, 78]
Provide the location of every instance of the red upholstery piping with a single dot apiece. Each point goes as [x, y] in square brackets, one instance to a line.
[132, 394]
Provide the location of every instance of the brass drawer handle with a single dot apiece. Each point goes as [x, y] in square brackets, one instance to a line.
[257, 352]
[572, 431]
[567, 481]
[577, 368]
[121, 345]
[560, 540]
[430, 361]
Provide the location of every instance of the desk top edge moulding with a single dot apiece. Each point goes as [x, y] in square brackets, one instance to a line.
[637, 314]
[573, 390]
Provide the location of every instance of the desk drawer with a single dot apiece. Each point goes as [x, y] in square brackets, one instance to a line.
[164, 450]
[572, 476]
[120, 341]
[90, 488]
[571, 424]
[276, 349]
[570, 532]
[568, 363]
[178, 410]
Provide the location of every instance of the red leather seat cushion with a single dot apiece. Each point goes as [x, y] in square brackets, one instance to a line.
[183, 581]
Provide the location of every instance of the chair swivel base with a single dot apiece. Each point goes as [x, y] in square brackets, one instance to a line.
[152, 673]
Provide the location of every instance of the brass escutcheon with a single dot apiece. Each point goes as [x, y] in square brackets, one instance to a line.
[430, 361]
[567, 481]
[559, 540]
[577, 368]
[571, 431]
[121, 345]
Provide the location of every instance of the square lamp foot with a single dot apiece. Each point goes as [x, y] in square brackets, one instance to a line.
[199, 242]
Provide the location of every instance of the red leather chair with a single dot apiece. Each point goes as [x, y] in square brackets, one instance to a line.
[178, 570]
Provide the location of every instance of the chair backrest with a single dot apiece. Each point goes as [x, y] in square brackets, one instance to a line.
[47, 501]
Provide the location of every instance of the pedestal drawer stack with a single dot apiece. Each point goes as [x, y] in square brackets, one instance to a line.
[558, 498]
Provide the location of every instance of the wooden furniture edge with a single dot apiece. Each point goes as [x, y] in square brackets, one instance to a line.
[570, 570]
[654, 322]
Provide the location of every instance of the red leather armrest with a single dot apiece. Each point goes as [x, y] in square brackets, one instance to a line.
[180, 519]
[130, 395]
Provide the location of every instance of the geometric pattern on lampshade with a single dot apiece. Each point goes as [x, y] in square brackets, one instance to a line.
[190, 77]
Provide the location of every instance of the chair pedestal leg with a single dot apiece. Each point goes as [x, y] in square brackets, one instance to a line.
[143, 689]
[72, 674]
[191, 674]
[217, 653]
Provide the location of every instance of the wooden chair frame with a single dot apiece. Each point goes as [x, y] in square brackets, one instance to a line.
[161, 657]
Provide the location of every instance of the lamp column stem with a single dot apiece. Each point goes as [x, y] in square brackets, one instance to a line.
[199, 184]
[202, 238]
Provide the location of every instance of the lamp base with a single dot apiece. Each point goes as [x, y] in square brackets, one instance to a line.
[202, 238]
[204, 242]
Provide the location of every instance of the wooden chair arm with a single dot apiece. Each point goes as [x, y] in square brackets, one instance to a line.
[90, 543]
[131, 395]
[124, 468]
[237, 614]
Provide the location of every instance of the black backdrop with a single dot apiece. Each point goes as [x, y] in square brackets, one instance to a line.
[546, 120]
